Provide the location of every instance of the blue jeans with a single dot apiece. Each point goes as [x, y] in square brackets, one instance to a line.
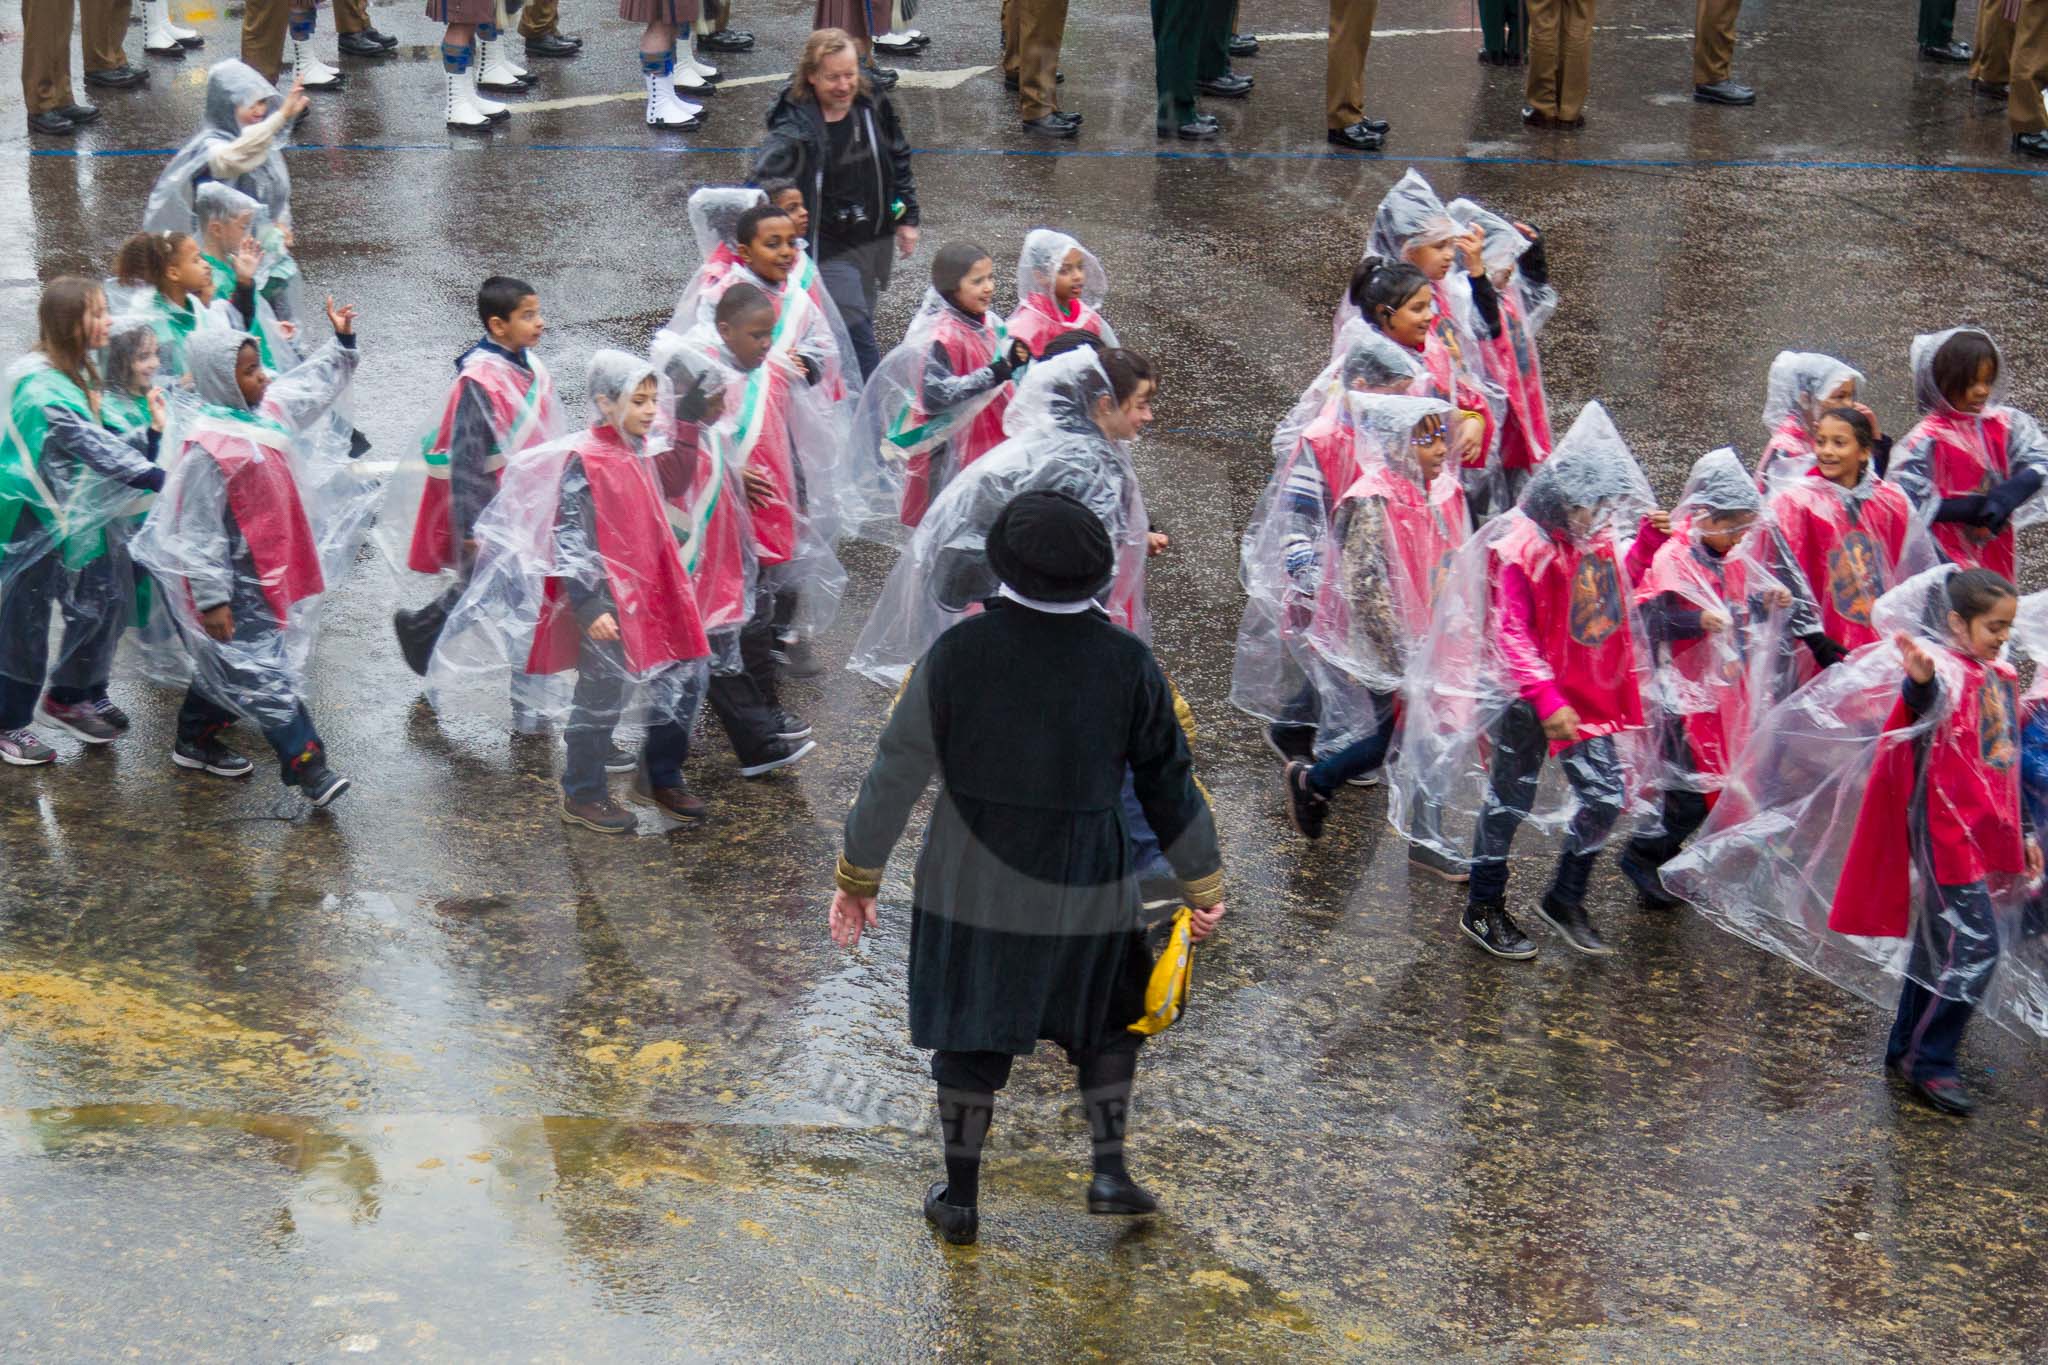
[1955, 947]
[1148, 860]
[1361, 756]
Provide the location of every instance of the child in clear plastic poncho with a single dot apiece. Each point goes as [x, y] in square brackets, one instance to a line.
[264, 509]
[1841, 538]
[1315, 459]
[229, 224]
[1973, 462]
[935, 404]
[1070, 429]
[578, 572]
[1532, 654]
[1802, 385]
[502, 402]
[1880, 836]
[165, 275]
[1519, 271]
[239, 144]
[1398, 300]
[1060, 288]
[1717, 624]
[718, 378]
[66, 479]
[1394, 530]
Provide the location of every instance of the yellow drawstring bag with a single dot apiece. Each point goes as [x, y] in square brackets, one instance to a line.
[1166, 994]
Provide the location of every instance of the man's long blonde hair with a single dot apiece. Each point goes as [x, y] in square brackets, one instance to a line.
[823, 43]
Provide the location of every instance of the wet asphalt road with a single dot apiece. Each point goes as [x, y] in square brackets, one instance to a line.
[433, 1076]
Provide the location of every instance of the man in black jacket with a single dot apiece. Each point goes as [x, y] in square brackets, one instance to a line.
[1025, 916]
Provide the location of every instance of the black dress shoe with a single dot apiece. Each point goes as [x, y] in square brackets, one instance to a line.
[905, 48]
[552, 45]
[1989, 90]
[1012, 84]
[881, 77]
[381, 39]
[1229, 86]
[1724, 92]
[1953, 53]
[195, 41]
[731, 40]
[1376, 125]
[957, 1225]
[1536, 118]
[1051, 126]
[1357, 138]
[176, 51]
[81, 114]
[362, 45]
[1197, 131]
[123, 77]
[2031, 144]
[1121, 1195]
[1243, 45]
[53, 122]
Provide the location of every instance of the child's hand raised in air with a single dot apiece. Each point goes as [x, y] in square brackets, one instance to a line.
[159, 411]
[1661, 520]
[1470, 246]
[343, 319]
[1019, 354]
[604, 629]
[1919, 663]
[219, 622]
[1868, 416]
[296, 103]
[248, 256]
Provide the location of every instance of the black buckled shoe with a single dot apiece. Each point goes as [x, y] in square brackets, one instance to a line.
[81, 114]
[1198, 131]
[122, 77]
[1244, 45]
[1571, 921]
[363, 45]
[553, 45]
[1648, 882]
[2034, 145]
[729, 40]
[1230, 86]
[52, 123]
[959, 1226]
[1052, 125]
[1724, 92]
[1356, 138]
[1120, 1195]
[881, 77]
[1953, 54]
[1488, 924]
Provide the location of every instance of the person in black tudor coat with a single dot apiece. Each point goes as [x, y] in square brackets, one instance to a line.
[1025, 915]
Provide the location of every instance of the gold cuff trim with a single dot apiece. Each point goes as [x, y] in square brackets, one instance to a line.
[858, 881]
[1203, 892]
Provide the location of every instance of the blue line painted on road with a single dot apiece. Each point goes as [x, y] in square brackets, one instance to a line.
[1078, 153]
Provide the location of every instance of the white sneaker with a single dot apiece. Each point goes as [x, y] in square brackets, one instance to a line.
[158, 37]
[310, 71]
[664, 110]
[462, 110]
[494, 68]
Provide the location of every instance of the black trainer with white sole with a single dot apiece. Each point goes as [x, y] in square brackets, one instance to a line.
[780, 754]
[210, 756]
[1488, 924]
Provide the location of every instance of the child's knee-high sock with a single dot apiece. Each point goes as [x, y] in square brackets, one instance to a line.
[658, 63]
[455, 59]
[964, 1120]
[302, 25]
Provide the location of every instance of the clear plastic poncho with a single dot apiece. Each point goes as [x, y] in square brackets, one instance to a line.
[1503, 251]
[1411, 215]
[1950, 452]
[943, 575]
[1511, 360]
[1389, 539]
[578, 533]
[214, 202]
[1800, 386]
[1039, 317]
[921, 419]
[69, 474]
[1871, 845]
[263, 511]
[1570, 534]
[1717, 624]
[1282, 556]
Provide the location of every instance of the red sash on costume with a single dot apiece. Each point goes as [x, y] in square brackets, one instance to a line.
[1525, 438]
[264, 496]
[969, 347]
[1582, 623]
[1968, 456]
[654, 603]
[1788, 449]
[1973, 801]
[1849, 561]
[1038, 320]
[1699, 579]
[524, 413]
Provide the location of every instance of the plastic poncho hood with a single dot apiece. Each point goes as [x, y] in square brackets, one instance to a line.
[715, 211]
[1799, 386]
[610, 382]
[1044, 252]
[1409, 215]
[1719, 486]
[1590, 470]
[1504, 242]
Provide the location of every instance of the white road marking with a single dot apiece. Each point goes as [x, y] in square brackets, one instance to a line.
[1379, 33]
[913, 79]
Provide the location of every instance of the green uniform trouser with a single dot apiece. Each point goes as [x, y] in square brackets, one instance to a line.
[1938, 22]
[1504, 27]
[1183, 31]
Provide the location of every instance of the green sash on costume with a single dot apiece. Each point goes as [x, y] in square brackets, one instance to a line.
[224, 285]
[22, 486]
[909, 440]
